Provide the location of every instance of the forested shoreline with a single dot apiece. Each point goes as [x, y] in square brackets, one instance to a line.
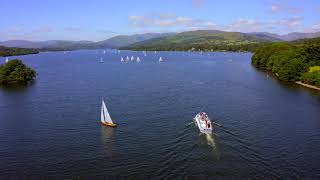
[291, 61]
[10, 51]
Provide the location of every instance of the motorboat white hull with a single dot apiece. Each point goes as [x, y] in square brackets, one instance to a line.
[204, 125]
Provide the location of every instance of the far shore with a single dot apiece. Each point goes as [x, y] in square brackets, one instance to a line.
[307, 85]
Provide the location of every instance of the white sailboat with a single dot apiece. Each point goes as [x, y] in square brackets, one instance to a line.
[127, 59]
[105, 116]
[122, 59]
[132, 58]
[160, 60]
[138, 59]
[104, 52]
[7, 60]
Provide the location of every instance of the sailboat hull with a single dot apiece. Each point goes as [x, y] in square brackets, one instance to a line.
[109, 124]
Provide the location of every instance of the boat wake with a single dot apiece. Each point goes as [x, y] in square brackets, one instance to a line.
[210, 140]
[190, 123]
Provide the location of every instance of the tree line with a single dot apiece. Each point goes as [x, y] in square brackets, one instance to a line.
[8, 51]
[291, 61]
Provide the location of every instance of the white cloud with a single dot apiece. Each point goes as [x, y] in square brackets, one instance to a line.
[172, 22]
[198, 3]
[136, 17]
[44, 29]
[275, 8]
[14, 30]
[288, 22]
[295, 10]
[316, 27]
[167, 20]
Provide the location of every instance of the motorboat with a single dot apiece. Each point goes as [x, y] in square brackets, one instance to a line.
[203, 122]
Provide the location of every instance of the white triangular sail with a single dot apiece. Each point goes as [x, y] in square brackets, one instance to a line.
[105, 116]
[132, 58]
[138, 59]
[7, 60]
[122, 59]
[160, 59]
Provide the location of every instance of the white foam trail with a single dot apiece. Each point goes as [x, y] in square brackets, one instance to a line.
[210, 140]
[189, 124]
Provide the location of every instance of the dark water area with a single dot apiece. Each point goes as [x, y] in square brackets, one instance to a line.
[51, 129]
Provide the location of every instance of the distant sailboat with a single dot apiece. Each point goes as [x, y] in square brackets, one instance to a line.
[122, 59]
[132, 58]
[138, 59]
[105, 116]
[7, 60]
[104, 52]
[127, 59]
[160, 60]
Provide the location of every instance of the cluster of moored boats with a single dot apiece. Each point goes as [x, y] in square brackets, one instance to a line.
[128, 59]
[201, 120]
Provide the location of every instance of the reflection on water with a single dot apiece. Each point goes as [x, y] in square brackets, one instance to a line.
[107, 139]
[17, 87]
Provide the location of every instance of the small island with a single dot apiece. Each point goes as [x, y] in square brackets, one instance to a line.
[15, 72]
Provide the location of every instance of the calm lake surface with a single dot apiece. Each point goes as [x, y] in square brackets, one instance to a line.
[51, 128]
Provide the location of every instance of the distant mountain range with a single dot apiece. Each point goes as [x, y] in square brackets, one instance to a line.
[148, 40]
[114, 42]
[288, 37]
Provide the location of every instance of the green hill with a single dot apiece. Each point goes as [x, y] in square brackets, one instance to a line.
[209, 40]
[125, 40]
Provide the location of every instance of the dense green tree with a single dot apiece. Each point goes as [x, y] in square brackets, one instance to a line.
[8, 51]
[15, 71]
[290, 61]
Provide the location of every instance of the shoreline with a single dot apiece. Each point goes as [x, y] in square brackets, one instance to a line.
[308, 85]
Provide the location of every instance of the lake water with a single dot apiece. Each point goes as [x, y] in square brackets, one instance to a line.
[51, 128]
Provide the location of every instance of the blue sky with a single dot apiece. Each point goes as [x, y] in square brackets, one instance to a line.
[100, 19]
